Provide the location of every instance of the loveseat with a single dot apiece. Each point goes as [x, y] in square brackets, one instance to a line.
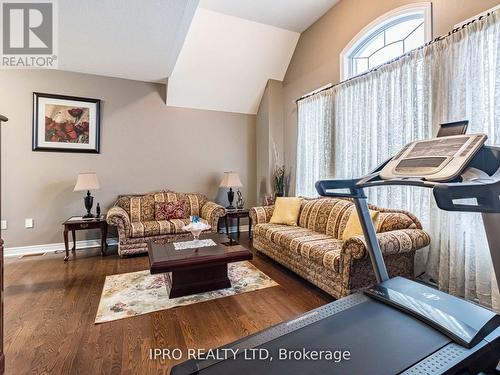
[135, 218]
[314, 249]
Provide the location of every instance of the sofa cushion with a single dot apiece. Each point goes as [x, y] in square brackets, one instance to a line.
[317, 247]
[193, 201]
[142, 208]
[156, 228]
[283, 234]
[353, 225]
[325, 252]
[388, 221]
[286, 211]
[325, 215]
[170, 210]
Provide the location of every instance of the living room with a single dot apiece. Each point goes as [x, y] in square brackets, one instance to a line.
[160, 211]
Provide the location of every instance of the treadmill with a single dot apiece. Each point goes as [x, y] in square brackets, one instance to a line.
[398, 326]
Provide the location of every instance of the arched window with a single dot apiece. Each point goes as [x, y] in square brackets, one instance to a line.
[389, 36]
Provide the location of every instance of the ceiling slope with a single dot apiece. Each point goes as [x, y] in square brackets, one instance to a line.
[226, 61]
[294, 15]
[131, 39]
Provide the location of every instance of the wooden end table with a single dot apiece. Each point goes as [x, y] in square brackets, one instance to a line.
[195, 270]
[238, 213]
[75, 223]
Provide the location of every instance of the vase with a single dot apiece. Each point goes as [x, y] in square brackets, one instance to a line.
[239, 201]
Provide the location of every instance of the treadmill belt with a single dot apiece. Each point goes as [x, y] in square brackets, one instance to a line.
[380, 339]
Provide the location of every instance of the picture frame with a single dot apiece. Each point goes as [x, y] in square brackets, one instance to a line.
[64, 123]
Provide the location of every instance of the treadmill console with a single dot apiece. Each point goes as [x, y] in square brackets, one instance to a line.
[440, 159]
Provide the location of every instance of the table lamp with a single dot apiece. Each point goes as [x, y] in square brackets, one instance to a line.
[87, 181]
[230, 180]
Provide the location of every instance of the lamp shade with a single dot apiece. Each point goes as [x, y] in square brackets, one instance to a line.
[87, 181]
[231, 179]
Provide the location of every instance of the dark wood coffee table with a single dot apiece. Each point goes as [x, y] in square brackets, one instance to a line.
[195, 270]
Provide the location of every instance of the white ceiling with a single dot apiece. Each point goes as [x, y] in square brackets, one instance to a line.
[216, 54]
[131, 39]
[226, 61]
[294, 15]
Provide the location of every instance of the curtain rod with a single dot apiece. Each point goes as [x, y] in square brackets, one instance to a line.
[437, 39]
[3, 118]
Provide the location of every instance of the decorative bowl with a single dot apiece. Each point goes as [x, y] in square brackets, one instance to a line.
[195, 229]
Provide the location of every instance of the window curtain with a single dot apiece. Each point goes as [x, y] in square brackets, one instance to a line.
[373, 116]
[466, 80]
[315, 141]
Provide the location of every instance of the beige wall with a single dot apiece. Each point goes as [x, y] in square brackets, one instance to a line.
[145, 146]
[262, 147]
[316, 59]
[270, 134]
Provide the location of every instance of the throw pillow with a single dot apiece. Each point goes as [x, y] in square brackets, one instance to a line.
[286, 211]
[353, 225]
[170, 210]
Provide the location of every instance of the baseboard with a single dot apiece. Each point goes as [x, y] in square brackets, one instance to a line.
[41, 249]
[52, 247]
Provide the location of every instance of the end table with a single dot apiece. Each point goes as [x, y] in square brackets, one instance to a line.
[238, 213]
[75, 223]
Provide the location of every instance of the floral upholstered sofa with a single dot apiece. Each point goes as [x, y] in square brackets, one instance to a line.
[135, 218]
[314, 250]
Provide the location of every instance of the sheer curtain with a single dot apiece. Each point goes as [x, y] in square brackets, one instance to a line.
[373, 116]
[315, 140]
[466, 72]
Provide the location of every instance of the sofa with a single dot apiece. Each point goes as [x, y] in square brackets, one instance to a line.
[134, 218]
[314, 249]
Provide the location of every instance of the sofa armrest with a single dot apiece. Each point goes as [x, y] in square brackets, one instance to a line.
[392, 242]
[390, 219]
[260, 215]
[118, 217]
[212, 212]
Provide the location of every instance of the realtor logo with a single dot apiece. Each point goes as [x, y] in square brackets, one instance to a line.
[28, 34]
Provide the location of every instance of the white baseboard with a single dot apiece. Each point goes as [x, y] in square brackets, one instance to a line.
[52, 247]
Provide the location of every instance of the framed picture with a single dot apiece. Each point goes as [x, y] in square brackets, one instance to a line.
[65, 123]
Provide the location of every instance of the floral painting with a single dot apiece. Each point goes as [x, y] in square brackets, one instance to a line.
[66, 124]
[63, 123]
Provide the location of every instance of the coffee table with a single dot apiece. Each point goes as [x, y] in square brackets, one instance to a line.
[195, 270]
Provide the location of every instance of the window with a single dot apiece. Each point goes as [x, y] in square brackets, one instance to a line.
[389, 36]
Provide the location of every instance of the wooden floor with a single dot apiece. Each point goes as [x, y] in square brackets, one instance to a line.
[50, 307]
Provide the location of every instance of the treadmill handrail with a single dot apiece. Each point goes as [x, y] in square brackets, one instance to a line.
[327, 187]
[323, 186]
[486, 201]
[485, 190]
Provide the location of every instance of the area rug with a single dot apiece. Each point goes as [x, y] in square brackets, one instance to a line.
[136, 293]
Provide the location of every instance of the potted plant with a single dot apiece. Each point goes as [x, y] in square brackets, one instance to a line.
[279, 180]
[279, 175]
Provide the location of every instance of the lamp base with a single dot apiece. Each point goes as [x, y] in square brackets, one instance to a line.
[88, 200]
[230, 198]
[230, 207]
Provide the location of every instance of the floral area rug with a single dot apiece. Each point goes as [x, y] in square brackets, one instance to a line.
[136, 293]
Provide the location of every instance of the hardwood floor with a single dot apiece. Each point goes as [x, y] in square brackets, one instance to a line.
[50, 307]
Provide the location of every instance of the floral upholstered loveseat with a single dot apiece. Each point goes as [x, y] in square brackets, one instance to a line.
[314, 250]
[134, 217]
